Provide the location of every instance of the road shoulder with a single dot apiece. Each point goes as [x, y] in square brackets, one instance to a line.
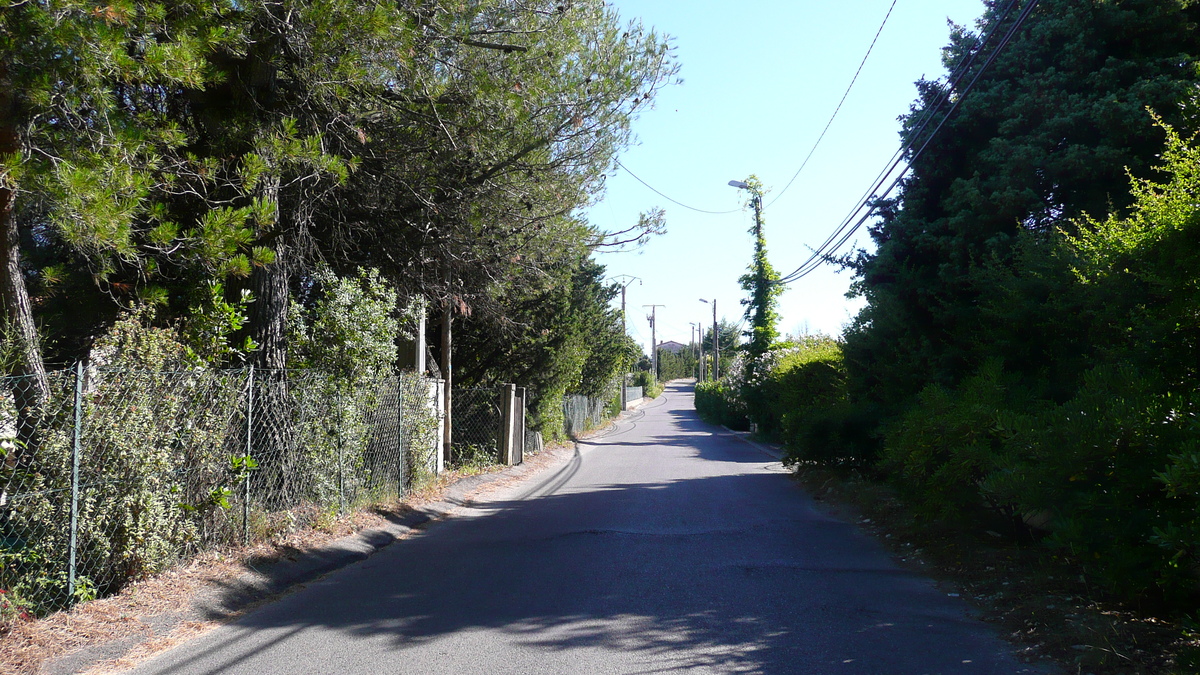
[216, 587]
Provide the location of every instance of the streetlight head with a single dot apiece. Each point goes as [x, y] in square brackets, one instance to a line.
[704, 301]
[738, 184]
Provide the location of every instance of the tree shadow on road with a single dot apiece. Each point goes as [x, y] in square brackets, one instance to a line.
[734, 572]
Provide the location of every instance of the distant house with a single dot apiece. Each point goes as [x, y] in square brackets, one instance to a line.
[671, 346]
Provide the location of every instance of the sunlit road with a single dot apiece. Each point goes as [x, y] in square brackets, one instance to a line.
[664, 545]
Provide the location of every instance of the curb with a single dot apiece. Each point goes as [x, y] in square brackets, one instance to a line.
[292, 568]
[769, 449]
[280, 575]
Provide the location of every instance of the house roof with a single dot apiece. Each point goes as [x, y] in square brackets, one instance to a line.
[672, 346]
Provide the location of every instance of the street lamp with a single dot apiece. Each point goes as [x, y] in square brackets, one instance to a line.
[716, 345]
[756, 200]
[763, 286]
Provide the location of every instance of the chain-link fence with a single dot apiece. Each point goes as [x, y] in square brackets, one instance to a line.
[111, 475]
[584, 413]
[477, 419]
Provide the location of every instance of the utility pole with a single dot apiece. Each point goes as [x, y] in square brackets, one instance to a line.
[716, 350]
[762, 284]
[716, 344]
[625, 280]
[698, 329]
[653, 339]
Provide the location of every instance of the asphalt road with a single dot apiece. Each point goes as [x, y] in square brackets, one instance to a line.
[664, 545]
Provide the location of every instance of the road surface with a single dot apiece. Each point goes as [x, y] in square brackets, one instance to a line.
[665, 545]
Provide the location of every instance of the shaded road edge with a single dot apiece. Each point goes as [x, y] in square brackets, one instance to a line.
[221, 601]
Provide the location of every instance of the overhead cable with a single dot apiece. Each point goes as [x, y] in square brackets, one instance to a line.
[928, 113]
[842, 234]
[837, 109]
[673, 201]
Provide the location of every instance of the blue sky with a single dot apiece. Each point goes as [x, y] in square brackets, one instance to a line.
[760, 80]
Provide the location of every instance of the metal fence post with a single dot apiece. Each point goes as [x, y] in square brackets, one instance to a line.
[341, 459]
[75, 445]
[246, 459]
[400, 434]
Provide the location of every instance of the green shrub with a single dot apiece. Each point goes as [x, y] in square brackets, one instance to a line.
[651, 388]
[1111, 477]
[1100, 470]
[718, 403]
[940, 449]
[839, 433]
[145, 479]
[801, 397]
[796, 394]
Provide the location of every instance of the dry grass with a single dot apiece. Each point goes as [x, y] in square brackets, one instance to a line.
[33, 643]
[1042, 605]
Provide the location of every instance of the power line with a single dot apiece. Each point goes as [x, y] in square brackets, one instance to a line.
[815, 259]
[843, 233]
[674, 201]
[803, 164]
[839, 105]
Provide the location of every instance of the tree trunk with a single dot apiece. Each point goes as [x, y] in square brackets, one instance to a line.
[30, 389]
[278, 482]
[268, 313]
[280, 477]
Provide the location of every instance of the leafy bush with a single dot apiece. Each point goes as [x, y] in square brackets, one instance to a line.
[349, 324]
[651, 388]
[938, 452]
[1089, 433]
[838, 433]
[1093, 470]
[796, 394]
[718, 403]
[162, 465]
[1111, 477]
[141, 501]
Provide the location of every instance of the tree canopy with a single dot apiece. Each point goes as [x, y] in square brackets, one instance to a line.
[154, 153]
[1046, 135]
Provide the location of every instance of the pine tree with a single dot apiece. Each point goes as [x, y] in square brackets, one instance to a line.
[81, 142]
[1046, 135]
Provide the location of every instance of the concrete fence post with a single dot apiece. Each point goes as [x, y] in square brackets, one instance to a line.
[519, 427]
[508, 395]
[438, 405]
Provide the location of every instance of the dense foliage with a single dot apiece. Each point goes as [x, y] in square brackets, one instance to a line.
[728, 339]
[1046, 136]
[761, 284]
[562, 336]
[719, 403]
[675, 366]
[439, 153]
[1026, 360]
[189, 188]
[1024, 357]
